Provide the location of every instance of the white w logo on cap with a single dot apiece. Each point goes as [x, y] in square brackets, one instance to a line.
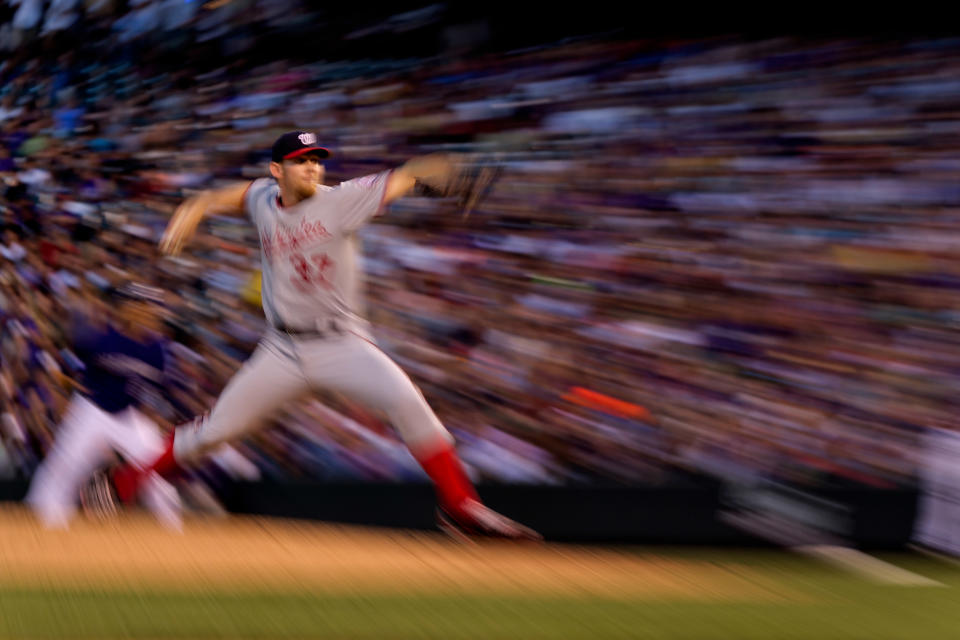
[308, 138]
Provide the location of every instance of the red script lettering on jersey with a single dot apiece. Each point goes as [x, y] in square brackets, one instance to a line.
[285, 241]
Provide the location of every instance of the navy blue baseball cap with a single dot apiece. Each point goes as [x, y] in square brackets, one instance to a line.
[297, 143]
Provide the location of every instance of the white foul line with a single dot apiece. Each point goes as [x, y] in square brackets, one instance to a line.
[867, 566]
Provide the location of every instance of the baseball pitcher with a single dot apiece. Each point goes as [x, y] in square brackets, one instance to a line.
[316, 340]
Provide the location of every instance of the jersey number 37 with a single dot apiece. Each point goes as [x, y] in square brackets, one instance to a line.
[311, 272]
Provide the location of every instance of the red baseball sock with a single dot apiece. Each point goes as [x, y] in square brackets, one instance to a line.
[128, 478]
[449, 478]
[166, 465]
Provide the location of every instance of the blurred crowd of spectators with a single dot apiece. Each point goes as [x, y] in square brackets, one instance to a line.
[731, 257]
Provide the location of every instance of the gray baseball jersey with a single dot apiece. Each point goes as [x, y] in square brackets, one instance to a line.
[310, 254]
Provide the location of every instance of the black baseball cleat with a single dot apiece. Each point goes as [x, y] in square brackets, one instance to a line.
[478, 521]
[99, 497]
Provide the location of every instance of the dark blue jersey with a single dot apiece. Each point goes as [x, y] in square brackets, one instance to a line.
[118, 370]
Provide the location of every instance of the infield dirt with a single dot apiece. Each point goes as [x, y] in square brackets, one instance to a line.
[251, 553]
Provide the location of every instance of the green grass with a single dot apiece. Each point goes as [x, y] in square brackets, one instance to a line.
[829, 604]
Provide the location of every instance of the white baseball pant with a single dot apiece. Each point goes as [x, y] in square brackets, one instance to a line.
[283, 368]
[85, 440]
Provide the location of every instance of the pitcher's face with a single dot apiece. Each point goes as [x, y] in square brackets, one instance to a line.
[298, 177]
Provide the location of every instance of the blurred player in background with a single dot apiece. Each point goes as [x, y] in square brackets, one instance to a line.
[316, 340]
[123, 364]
